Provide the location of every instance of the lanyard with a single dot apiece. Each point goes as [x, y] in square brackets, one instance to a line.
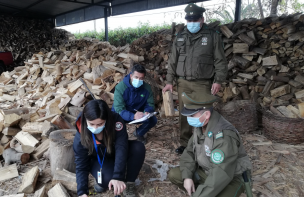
[101, 163]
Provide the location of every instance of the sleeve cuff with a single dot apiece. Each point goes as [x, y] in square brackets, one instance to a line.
[187, 174]
[81, 192]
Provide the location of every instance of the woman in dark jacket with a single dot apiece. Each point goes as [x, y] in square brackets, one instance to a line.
[102, 148]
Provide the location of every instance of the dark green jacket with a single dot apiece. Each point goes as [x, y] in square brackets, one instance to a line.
[222, 158]
[198, 56]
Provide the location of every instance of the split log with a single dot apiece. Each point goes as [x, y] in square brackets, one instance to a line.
[168, 103]
[280, 79]
[66, 178]
[300, 79]
[27, 142]
[14, 195]
[61, 122]
[11, 120]
[8, 172]
[280, 91]
[240, 48]
[244, 92]
[242, 62]
[275, 111]
[58, 190]
[226, 31]
[286, 112]
[61, 150]
[12, 131]
[271, 61]
[12, 156]
[29, 181]
[40, 192]
[301, 109]
[41, 149]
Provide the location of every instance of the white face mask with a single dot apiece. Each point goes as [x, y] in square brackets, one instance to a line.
[195, 122]
[97, 130]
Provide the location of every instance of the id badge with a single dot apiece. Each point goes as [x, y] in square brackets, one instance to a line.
[99, 176]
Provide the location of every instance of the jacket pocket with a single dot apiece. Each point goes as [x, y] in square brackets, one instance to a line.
[180, 69]
[205, 68]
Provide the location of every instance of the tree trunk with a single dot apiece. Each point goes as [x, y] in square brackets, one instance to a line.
[61, 150]
[261, 9]
[274, 8]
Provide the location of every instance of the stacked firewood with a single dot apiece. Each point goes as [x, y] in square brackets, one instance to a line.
[24, 37]
[266, 62]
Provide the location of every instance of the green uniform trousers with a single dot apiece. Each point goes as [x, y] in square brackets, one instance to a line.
[234, 189]
[188, 87]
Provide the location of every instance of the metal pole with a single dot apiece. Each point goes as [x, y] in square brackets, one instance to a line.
[106, 23]
[237, 14]
[95, 25]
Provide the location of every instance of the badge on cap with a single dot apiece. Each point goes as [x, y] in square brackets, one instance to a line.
[210, 134]
[217, 156]
[191, 13]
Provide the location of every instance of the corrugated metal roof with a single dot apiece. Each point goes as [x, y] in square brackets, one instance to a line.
[74, 11]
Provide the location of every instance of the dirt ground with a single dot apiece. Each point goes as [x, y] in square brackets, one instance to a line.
[278, 168]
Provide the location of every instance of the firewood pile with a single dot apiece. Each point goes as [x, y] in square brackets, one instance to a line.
[23, 37]
[266, 62]
[46, 93]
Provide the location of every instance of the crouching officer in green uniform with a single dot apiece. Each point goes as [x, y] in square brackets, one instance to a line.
[197, 61]
[215, 159]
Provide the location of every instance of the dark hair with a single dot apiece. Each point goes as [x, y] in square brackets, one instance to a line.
[138, 68]
[93, 110]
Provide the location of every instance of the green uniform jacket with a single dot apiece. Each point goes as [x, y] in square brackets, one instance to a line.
[224, 158]
[197, 56]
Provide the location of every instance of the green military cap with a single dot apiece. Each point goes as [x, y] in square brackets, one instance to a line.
[197, 101]
[193, 12]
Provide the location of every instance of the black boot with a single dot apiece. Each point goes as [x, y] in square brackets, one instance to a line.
[180, 150]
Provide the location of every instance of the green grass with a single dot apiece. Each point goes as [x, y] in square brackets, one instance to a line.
[120, 36]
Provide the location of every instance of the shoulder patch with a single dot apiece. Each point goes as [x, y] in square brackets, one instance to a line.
[217, 156]
[118, 126]
[219, 135]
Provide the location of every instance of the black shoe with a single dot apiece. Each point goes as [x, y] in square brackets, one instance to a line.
[142, 139]
[180, 150]
[98, 188]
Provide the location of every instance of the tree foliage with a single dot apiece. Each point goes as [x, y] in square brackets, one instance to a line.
[250, 9]
[120, 36]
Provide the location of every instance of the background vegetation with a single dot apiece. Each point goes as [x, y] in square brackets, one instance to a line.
[120, 36]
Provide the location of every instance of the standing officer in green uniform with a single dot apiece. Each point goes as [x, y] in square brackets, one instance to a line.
[215, 159]
[198, 61]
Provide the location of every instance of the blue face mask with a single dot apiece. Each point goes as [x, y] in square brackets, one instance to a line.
[137, 83]
[195, 122]
[97, 130]
[194, 27]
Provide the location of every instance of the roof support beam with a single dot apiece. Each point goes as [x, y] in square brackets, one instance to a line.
[106, 24]
[84, 3]
[9, 6]
[237, 14]
[26, 8]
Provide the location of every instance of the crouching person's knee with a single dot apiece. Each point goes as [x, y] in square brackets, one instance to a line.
[175, 176]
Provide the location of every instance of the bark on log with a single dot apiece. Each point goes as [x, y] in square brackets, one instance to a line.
[61, 150]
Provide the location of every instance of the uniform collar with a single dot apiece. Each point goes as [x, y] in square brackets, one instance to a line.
[213, 121]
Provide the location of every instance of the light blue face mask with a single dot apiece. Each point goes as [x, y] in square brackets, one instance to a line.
[137, 83]
[97, 130]
[195, 122]
[194, 27]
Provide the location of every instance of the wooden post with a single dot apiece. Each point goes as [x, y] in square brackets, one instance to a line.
[61, 150]
[168, 103]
